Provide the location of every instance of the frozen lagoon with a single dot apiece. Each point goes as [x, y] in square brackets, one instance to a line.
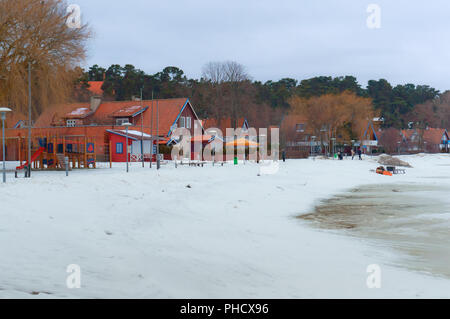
[232, 234]
[413, 219]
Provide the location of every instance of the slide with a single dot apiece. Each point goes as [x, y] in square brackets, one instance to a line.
[33, 158]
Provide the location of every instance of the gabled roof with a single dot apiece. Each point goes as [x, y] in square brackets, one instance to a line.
[169, 112]
[372, 128]
[435, 135]
[430, 135]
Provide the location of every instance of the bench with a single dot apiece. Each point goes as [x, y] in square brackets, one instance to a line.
[197, 163]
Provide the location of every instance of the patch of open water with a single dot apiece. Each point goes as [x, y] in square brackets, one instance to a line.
[411, 219]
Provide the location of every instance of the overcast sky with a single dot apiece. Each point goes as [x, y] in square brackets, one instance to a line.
[276, 39]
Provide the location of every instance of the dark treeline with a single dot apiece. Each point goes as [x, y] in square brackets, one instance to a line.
[226, 90]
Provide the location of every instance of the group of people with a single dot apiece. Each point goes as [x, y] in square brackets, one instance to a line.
[340, 154]
[359, 152]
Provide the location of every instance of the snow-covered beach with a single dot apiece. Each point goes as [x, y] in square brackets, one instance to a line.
[212, 232]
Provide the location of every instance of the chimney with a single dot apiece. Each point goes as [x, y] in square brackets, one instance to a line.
[95, 102]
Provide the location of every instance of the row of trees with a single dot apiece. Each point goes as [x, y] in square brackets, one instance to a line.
[226, 89]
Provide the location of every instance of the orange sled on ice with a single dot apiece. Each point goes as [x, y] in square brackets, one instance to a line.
[382, 171]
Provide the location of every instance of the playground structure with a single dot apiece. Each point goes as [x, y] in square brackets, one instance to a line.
[49, 152]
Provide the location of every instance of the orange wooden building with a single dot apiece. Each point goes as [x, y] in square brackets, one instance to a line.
[94, 123]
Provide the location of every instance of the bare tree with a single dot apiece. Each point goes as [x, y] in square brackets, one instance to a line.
[228, 71]
[235, 72]
[228, 79]
[214, 72]
[35, 32]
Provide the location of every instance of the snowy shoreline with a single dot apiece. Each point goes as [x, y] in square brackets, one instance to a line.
[232, 234]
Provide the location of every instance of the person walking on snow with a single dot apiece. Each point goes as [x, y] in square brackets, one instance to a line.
[353, 154]
[359, 154]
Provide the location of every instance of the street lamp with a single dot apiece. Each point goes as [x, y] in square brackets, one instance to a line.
[3, 111]
[126, 129]
[333, 139]
[313, 138]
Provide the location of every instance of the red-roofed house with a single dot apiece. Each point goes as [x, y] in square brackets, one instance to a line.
[104, 121]
[433, 140]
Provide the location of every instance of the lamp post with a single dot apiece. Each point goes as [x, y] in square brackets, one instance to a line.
[142, 131]
[3, 111]
[334, 146]
[313, 138]
[158, 161]
[126, 129]
[30, 123]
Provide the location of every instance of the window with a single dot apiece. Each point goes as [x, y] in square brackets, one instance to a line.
[182, 122]
[188, 122]
[71, 123]
[121, 121]
[119, 148]
[300, 128]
